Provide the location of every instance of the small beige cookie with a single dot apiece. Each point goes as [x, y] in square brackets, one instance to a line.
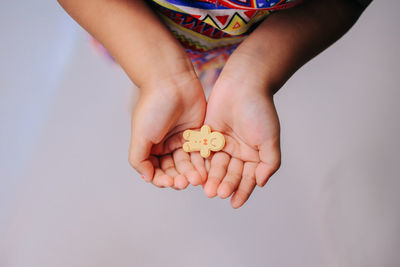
[203, 141]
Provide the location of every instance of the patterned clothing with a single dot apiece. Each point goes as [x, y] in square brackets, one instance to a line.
[210, 30]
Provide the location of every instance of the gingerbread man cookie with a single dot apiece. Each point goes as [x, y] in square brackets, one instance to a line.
[203, 141]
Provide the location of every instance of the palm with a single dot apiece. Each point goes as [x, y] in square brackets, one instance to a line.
[163, 112]
[248, 126]
[251, 154]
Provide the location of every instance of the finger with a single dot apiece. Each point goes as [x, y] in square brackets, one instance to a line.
[232, 178]
[185, 167]
[207, 163]
[171, 144]
[161, 179]
[139, 153]
[168, 166]
[232, 147]
[199, 163]
[180, 182]
[218, 166]
[270, 161]
[246, 186]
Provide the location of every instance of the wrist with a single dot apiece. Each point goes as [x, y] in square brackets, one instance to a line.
[182, 88]
[288, 39]
[158, 63]
[169, 80]
[247, 71]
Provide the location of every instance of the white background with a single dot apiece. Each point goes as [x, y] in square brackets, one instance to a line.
[68, 196]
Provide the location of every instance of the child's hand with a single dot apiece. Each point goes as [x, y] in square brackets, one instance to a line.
[240, 110]
[241, 104]
[165, 109]
[171, 96]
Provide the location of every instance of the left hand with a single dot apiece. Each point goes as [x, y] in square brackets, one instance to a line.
[241, 109]
[241, 104]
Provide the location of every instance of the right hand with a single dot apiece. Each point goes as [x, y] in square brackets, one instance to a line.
[165, 109]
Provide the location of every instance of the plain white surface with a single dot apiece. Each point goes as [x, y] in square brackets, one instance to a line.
[68, 196]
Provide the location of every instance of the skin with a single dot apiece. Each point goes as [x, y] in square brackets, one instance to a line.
[171, 97]
[241, 103]
[155, 149]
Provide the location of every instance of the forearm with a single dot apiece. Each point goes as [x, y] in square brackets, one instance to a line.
[288, 39]
[133, 35]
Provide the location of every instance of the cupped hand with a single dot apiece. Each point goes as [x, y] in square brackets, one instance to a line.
[245, 113]
[166, 108]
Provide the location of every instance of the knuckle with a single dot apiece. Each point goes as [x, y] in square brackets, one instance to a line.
[215, 178]
[229, 184]
[234, 175]
[180, 162]
[251, 178]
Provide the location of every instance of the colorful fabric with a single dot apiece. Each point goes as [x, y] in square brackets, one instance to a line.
[210, 30]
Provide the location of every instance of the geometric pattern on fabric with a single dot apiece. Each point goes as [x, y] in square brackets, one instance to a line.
[210, 30]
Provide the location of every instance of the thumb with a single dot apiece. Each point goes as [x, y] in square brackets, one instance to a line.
[171, 144]
[139, 157]
[270, 161]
